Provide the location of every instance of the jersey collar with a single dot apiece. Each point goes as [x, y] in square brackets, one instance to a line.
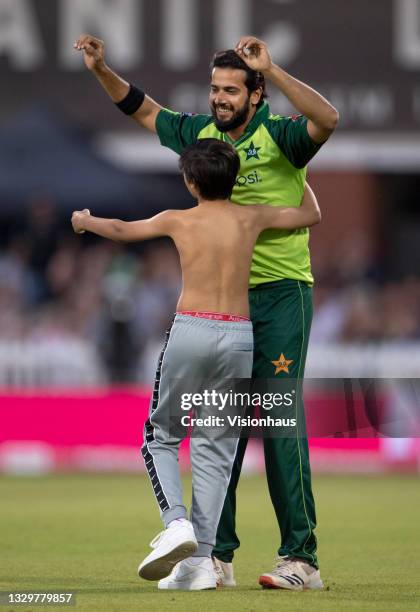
[261, 115]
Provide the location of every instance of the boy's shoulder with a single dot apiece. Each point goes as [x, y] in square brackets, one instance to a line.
[177, 217]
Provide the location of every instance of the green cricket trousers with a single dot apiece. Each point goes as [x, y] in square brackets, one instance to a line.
[281, 314]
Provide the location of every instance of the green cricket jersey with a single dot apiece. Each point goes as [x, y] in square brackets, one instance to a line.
[274, 151]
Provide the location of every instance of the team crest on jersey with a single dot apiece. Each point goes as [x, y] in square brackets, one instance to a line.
[282, 364]
[252, 151]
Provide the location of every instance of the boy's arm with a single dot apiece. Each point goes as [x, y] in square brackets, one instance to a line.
[305, 215]
[124, 231]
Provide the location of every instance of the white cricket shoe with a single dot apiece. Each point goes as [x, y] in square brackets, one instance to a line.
[174, 544]
[224, 573]
[188, 576]
[293, 574]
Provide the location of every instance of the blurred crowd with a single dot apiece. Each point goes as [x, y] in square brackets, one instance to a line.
[357, 299]
[55, 285]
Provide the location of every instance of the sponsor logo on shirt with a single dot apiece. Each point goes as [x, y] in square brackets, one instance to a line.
[248, 179]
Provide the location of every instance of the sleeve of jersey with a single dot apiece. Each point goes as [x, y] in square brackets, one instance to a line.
[291, 136]
[178, 130]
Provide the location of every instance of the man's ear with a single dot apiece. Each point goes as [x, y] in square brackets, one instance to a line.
[256, 96]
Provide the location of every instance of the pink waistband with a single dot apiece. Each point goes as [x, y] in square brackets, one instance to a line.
[216, 316]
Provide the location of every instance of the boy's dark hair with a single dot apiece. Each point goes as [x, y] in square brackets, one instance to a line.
[212, 165]
[253, 79]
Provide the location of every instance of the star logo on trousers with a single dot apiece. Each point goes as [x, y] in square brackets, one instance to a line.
[282, 364]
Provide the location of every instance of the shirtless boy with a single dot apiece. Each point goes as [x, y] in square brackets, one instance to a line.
[210, 337]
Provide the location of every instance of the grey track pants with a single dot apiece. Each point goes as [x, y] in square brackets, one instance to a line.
[195, 350]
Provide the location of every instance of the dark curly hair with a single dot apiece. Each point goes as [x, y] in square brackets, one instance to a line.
[212, 165]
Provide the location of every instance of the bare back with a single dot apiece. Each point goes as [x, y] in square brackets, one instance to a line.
[215, 241]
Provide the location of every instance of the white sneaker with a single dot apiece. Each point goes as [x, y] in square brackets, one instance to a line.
[292, 574]
[191, 577]
[177, 542]
[224, 573]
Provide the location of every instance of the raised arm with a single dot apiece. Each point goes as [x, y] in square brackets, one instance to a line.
[125, 231]
[277, 217]
[117, 88]
[322, 116]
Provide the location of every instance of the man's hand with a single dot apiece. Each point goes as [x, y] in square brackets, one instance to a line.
[322, 116]
[116, 87]
[255, 53]
[77, 220]
[93, 51]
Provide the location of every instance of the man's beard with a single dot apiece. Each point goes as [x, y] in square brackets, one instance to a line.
[238, 118]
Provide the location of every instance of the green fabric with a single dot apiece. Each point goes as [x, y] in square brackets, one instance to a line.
[274, 152]
[281, 314]
[178, 130]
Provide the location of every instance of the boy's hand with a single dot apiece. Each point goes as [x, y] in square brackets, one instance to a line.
[77, 220]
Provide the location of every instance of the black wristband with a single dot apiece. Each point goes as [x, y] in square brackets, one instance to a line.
[132, 101]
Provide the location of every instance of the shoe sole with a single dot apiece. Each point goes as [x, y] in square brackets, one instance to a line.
[163, 566]
[268, 583]
[180, 587]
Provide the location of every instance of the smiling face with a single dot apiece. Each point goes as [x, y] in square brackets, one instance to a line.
[230, 101]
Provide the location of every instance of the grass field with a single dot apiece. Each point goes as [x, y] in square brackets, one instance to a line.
[87, 534]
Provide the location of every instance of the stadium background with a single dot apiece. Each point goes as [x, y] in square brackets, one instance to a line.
[81, 319]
